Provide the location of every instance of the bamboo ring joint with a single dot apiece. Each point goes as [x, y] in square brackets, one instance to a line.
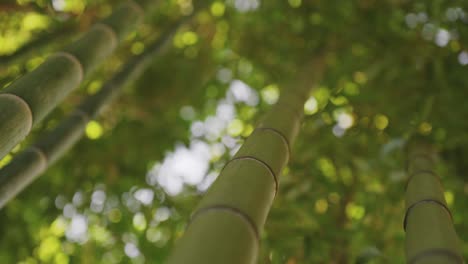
[109, 31]
[73, 59]
[264, 164]
[429, 200]
[283, 137]
[41, 154]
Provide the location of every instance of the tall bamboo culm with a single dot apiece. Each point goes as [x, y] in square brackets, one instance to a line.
[430, 235]
[32, 162]
[29, 99]
[226, 225]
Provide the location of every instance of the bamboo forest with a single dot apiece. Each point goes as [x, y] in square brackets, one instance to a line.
[233, 131]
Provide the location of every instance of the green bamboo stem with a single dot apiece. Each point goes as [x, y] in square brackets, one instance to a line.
[45, 87]
[39, 43]
[31, 163]
[225, 227]
[430, 235]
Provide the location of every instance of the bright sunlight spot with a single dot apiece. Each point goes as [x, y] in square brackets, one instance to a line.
[144, 196]
[311, 106]
[327, 168]
[5, 160]
[381, 122]
[243, 93]
[184, 165]
[270, 94]
[321, 206]
[355, 211]
[138, 48]
[94, 86]
[189, 38]
[131, 250]
[425, 128]
[463, 58]
[34, 21]
[295, 3]
[94, 130]
[442, 37]
[246, 5]
[449, 197]
[139, 222]
[345, 120]
[78, 229]
[217, 9]
[360, 77]
[235, 128]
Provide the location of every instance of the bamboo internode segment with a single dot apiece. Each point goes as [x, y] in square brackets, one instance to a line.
[217, 236]
[28, 165]
[244, 190]
[430, 235]
[93, 47]
[48, 85]
[44, 87]
[231, 210]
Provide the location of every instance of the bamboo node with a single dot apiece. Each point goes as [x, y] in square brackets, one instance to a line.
[436, 252]
[109, 31]
[264, 164]
[428, 200]
[25, 105]
[73, 59]
[42, 156]
[230, 209]
[283, 137]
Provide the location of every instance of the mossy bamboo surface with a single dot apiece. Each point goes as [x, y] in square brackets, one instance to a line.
[430, 235]
[226, 225]
[32, 162]
[45, 87]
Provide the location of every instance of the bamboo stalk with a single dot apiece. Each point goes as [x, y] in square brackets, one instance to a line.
[430, 235]
[225, 227]
[38, 43]
[32, 162]
[45, 87]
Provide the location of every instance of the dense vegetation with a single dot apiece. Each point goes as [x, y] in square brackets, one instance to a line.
[387, 70]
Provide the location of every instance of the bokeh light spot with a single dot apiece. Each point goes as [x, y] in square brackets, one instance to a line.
[321, 206]
[311, 106]
[94, 130]
[381, 122]
[270, 94]
[217, 9]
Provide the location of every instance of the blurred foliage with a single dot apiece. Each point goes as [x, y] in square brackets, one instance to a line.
[393, 68]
